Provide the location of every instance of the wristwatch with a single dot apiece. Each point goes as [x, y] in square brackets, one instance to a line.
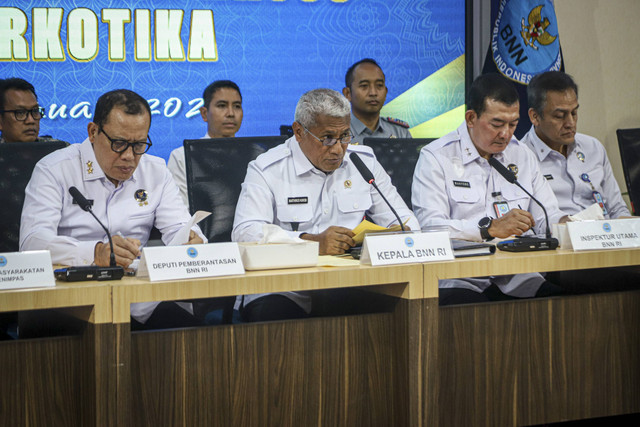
[484, 225]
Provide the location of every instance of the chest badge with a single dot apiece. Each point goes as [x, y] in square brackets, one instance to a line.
[513, 168]
[585, 177]
[89, 167]
[141, 197]
[347, 184]
[580, 156]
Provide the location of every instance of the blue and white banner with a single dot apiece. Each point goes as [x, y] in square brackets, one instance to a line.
[169, 51]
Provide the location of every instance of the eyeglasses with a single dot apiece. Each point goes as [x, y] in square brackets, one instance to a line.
[21, 115]
[120, 145]
[328, 142]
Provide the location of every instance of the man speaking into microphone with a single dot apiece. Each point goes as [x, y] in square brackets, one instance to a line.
[130, 192]
[455, 186]
[310, 189]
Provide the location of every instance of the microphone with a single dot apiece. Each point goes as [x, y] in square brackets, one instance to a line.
[103, 273]
[525, 243]
[368, 177]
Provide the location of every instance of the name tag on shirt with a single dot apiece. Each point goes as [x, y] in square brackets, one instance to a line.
[297, 200]
[548, 177]
[405, 248]
[464, 184]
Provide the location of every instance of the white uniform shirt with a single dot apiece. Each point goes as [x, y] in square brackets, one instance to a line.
[586, 155]
[282, 187]
[453, 186]
[177, 165]
[51, 221]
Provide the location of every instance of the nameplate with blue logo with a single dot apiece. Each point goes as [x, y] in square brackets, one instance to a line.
[190, 261]
[604, 234]
[30, 269]
[405, 248]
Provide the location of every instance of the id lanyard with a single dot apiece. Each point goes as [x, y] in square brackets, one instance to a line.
[595, 193]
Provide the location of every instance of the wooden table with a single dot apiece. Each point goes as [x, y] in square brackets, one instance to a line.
[63, 380]
[506, 363]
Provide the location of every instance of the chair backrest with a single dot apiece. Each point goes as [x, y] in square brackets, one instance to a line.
[398, 156]
[215, 172]
[17, 160]
[629, 143]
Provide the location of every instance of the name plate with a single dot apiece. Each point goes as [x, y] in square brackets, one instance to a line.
[604, 234]
[190, 261]
[31, 269]
[405, 248]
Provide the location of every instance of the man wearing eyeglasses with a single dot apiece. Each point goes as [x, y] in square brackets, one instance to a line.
[130, 192]
[310, 189]
[20, 113]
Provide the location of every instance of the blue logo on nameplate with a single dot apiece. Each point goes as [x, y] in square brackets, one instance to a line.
[3, 261]
[192, 252]
[409, 242]
[524, 39]
[606, 227]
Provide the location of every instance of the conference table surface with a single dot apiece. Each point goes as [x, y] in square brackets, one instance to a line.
[111, 299]
[114, 371]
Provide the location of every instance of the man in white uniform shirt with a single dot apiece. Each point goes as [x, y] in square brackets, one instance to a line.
[578, 170]
[309, 187]
[575, 165]
[455, 186]
[130, 192]
[223, 113]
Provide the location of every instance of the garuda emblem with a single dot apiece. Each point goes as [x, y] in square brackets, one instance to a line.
[536, 29]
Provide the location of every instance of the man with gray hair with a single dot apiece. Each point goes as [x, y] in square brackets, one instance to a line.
[309, 187]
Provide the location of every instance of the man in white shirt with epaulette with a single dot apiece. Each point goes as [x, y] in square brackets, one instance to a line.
[574, 164]
[454, 186]
[309, 187]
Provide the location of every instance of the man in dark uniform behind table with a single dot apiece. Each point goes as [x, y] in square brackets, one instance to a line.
[366, 90]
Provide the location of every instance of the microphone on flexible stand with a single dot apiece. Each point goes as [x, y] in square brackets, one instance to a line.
[93, 272]
[524, 243]
[368, 176]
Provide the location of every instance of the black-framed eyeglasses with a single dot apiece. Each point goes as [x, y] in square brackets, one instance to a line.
[120, 145]
[328, 142]
[21, 115]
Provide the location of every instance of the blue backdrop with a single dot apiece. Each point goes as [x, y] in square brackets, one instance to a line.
[274, 50]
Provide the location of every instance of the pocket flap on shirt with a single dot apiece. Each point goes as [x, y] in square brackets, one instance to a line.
[294, 213]
[464, 194]
[357, 202]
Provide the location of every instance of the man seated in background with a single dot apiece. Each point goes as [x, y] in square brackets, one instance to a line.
[20, 112]
[366, 90]
[222, 111]
[130, 192]
[455, 186]
[310, 188]
[574, 164]
[578, 170]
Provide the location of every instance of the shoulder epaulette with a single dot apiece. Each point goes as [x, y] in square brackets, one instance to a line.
[272, 156]
[397, 122]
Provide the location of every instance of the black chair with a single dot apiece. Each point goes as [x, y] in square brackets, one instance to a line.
[629, 143]
[215, 173]
[398, 156]
[17, 160]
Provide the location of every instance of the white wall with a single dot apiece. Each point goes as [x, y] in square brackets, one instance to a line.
[601, 45]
